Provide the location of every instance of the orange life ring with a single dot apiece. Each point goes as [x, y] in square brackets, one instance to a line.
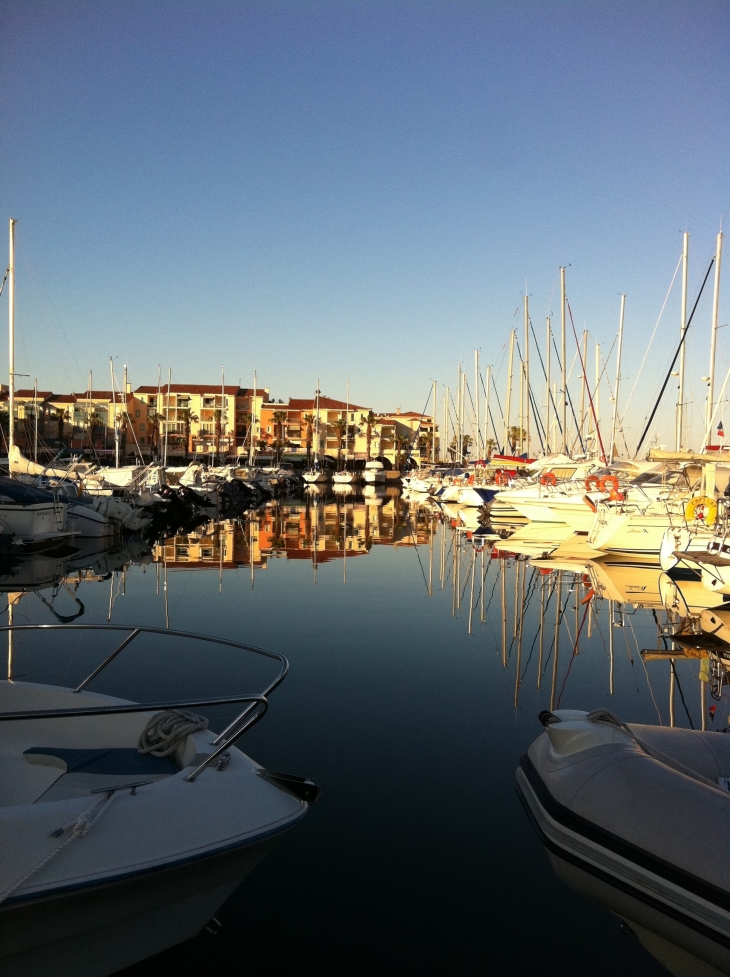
[548, 478]
[594, 480]
[613, 493]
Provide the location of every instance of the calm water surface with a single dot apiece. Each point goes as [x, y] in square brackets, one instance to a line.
[418, 669]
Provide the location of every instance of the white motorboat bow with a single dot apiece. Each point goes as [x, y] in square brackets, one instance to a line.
[125, 825]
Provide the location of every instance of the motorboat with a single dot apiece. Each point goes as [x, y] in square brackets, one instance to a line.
[374, 473]
[125, 824]
[637, 818]
[346, 477]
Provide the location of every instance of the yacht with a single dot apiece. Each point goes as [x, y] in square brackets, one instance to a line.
[374, 473]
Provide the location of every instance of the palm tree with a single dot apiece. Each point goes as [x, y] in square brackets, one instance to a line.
[490, 446]
[369, 421]
[309, 435]
[61, 417]
[339, 429]
[93, 420]
[517, 436]
[401, 442]
[466, 443]
[188, 419]
[279, 417]
[425, 441]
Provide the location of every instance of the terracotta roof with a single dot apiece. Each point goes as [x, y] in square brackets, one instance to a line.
[63, 399]
[325, 403]
[98, 395]
[40, 394]
[200, 388]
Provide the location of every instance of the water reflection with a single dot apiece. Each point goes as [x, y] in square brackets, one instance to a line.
[463, 612]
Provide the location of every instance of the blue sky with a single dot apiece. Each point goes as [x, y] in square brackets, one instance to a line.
[360, 190]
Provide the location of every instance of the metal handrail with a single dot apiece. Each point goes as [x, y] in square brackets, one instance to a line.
[257, 703]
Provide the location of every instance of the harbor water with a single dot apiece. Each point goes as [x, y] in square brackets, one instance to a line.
[420, 660]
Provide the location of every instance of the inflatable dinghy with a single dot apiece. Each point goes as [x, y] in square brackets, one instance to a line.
[637, 818]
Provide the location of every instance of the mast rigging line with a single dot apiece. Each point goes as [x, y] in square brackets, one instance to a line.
[679, 348]
[532, 399]
[656, 326]
[567, 393]
[544, 372]
[585, 381]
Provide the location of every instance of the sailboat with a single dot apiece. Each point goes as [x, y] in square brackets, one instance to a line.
[346, 477]
[316, 473]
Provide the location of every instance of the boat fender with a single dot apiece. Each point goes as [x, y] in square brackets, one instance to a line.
[548, 478]
[590, 503]
[501, 478]
[702, 509]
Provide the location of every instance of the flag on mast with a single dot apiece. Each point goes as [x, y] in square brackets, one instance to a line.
[720, 431]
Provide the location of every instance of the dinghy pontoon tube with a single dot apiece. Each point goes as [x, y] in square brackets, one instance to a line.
[637, 818]
[110, 852]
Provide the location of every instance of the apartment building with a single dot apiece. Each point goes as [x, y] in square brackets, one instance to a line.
[204, 419]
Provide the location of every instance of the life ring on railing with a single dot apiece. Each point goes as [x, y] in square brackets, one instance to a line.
[501, 478]
[702, 509]
[548, 478]
[613, 493]
[594, 480]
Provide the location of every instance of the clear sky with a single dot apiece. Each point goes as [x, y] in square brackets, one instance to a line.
[358, 190]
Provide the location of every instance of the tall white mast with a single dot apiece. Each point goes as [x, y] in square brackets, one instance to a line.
[445, 432]
[223, 404]
[597, 393]
[527, 374]
[476, 403]
[115, 415]
[167, 411]
[713, 340]
[582, 414]
[548, 439]
[433, 423]
[618, 379]
[486, 409]
[11, 337]
[459, 432]
[563, 365]
[508, 400]
[252, 427]
[462, 423]
[682, 329]
[35, 418]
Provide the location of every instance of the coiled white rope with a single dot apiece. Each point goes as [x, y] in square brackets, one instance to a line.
[79, 827]
[166, 730]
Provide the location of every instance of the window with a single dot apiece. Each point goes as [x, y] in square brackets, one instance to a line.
[141, 427]
[138, 413]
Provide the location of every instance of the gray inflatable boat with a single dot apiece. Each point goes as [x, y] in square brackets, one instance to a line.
[637, 818]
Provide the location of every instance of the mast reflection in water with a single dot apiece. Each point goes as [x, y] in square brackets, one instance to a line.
[420, 655]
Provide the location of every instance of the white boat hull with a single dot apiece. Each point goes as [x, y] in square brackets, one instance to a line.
[374, 477]
[34, 523]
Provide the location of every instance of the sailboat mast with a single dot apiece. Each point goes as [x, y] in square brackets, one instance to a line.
[618, 379]
[167, 412]
[476, 403]
[463, 415]
[252, 427]
[223, 403]
[433, 423]
[547, 387]
[527, 375]
[445, 432]
[35, 418]
[713, 340]
[11, 336]
[597, 392]
[682, 329]
[486, 409]
[508, 401]
[563, 356]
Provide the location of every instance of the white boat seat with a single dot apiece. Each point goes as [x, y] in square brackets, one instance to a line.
[83, 771]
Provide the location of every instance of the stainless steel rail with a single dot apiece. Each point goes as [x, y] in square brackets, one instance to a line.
[257, 703]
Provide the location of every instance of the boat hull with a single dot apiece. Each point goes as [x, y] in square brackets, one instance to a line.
[100, 929]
